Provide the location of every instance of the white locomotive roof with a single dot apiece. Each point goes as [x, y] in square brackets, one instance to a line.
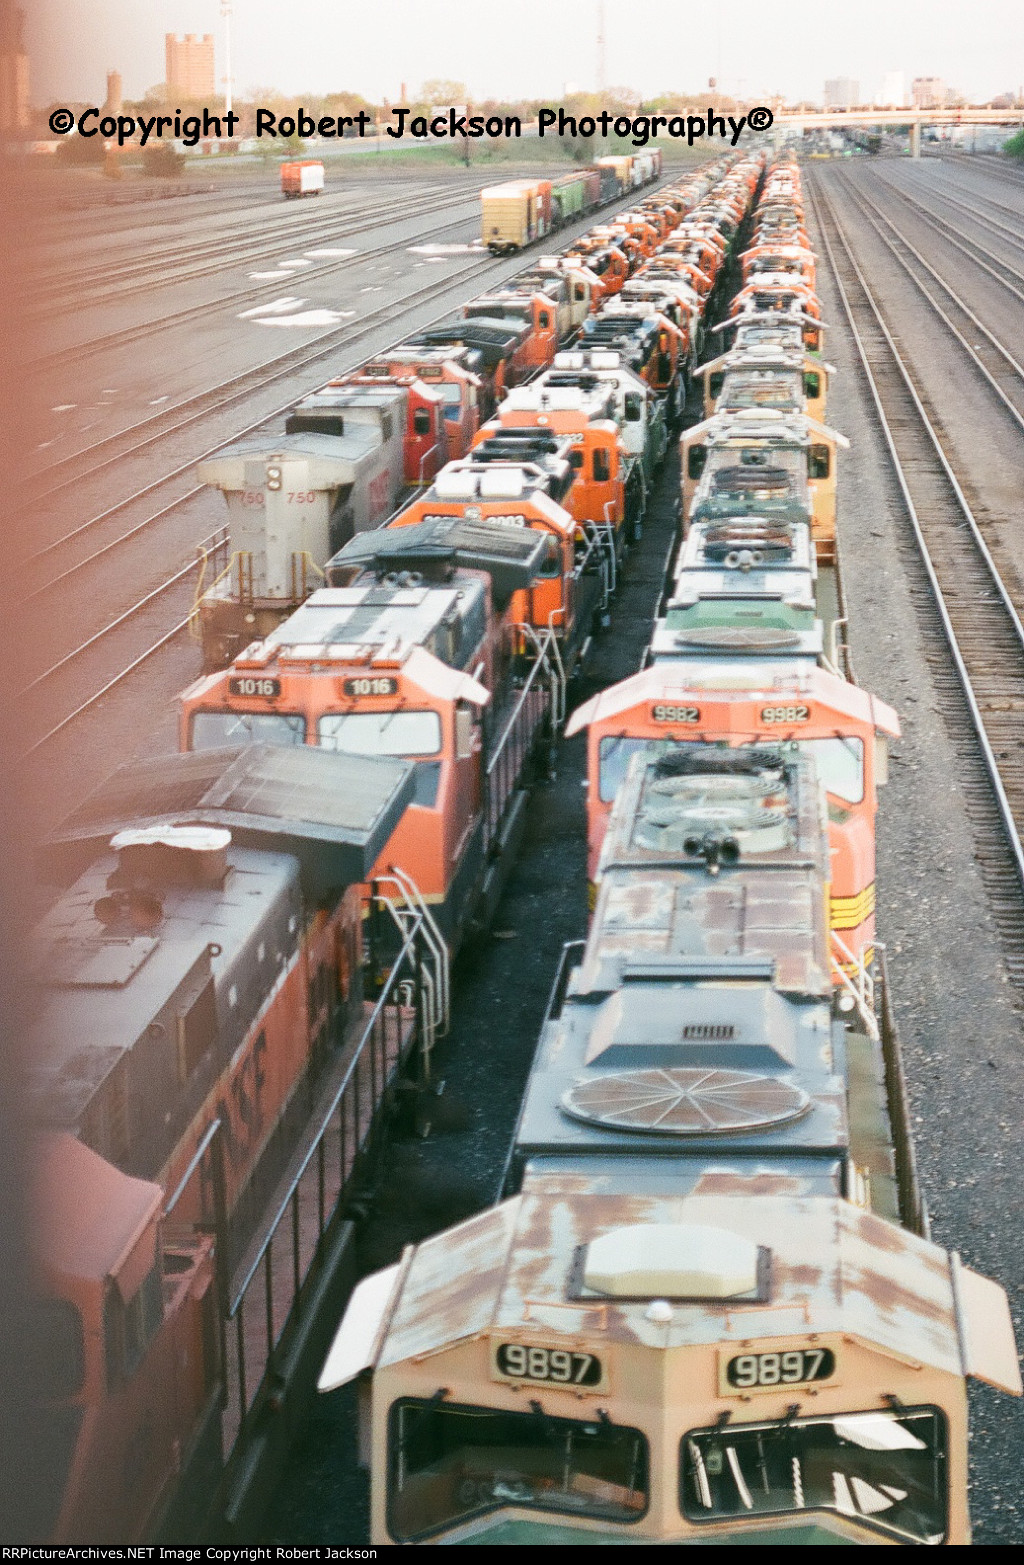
[737, 682]
[326, 461]
[834, 1269]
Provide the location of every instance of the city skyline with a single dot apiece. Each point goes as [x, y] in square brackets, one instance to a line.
[977, 49]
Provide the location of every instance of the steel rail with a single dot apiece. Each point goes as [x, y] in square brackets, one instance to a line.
[76, 478]
[962, 578]
[1000, 206]
[110, 341]
[1015, 235]
[946, 230]
[111, 684]
[176, 262]
[868, 206]
[211, 545]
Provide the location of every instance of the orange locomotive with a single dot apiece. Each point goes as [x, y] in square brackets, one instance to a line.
[194, 983]
[522, 490]
[697, 704]
[128, 1315]
[416, 654]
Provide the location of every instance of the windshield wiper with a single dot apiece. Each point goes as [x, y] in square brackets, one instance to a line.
[782, 1424]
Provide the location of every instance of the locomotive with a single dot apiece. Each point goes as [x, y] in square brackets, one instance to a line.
[696, 1316]
[707, 1307]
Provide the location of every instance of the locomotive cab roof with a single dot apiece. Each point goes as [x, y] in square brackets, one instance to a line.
[440, 545]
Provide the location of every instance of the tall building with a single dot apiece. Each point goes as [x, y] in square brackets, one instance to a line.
[114, 101]
[894, 90]
[928, 92]
[14, 104]
[842, 92]
[190, 67]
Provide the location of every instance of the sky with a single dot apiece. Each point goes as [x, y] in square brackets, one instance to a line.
[532, 48]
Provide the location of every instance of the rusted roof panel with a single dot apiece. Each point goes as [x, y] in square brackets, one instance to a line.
[454, 1285]
[834, 1268]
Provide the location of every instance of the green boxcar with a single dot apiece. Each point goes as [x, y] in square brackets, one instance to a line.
[569, 198]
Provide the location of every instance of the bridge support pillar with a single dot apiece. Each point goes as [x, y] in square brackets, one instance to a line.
[915, 139]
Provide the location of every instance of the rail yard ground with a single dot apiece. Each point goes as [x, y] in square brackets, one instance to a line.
[958, 1007]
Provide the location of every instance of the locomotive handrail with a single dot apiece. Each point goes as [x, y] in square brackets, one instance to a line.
[572, 949]
[518, 735]
[860, 987]
[424, 459]
[201, 593]
[212, 1130]
[408, 948]
[599, 540]
[413, 898]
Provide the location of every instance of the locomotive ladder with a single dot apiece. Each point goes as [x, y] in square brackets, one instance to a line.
[966, 594]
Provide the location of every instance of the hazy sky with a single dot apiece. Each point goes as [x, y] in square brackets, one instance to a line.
[533, 47]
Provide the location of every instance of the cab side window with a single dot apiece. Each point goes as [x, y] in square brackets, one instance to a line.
[818, 464]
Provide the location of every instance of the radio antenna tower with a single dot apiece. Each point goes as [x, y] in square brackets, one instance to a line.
[602, 73]
[226, 79]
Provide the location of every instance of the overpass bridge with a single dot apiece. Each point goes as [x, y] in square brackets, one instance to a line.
[848, 119]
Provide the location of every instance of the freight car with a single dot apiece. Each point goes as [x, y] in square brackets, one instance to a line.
[515, 214]
[305, 178]
[679, 1325]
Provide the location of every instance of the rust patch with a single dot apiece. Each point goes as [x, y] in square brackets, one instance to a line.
[886, 1237]
[890, 1296]
[722, 1182]
[805, 1277]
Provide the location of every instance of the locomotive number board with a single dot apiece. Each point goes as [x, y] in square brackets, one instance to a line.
[371, 685]
[254, 685]
[745, 1373]
[547, 1366]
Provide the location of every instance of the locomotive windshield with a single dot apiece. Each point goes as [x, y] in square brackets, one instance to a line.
[884, 1469]
[215, 730]
[449, 1463]
[839, 762]
[381, 733]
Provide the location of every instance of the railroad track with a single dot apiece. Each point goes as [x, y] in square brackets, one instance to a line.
[228, 246]
[1001, 271]
[990, 163]
[157, 426]
[211, 551]
[59, 358]
[1013, 236]
[963, 600]
[901, 248]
